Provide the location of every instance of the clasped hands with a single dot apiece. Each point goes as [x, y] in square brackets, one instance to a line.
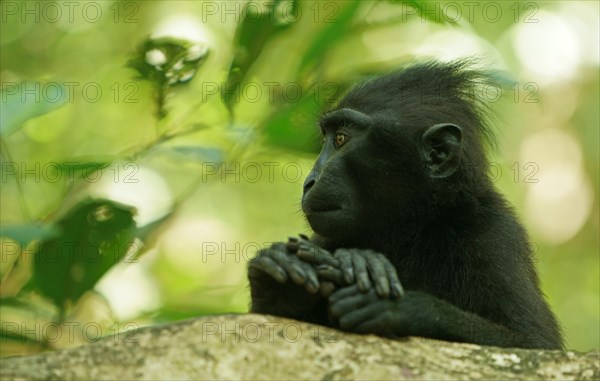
[358, 284]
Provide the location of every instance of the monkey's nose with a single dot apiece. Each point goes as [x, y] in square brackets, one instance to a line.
[308, 184]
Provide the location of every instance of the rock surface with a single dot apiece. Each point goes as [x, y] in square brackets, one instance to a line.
[249, 347]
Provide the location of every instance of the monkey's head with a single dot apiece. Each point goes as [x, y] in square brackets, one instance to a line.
[398, 149]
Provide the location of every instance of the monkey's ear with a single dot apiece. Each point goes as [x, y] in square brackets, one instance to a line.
[441, 149]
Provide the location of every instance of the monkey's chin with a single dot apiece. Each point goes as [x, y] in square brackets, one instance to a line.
[332, 223]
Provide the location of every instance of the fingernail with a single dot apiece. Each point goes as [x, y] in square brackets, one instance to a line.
[384, 287]
[347, 278]
[300, 276]
[362, 285]
[398, 289]
[281, 277]
[312, 286]
[349, 275]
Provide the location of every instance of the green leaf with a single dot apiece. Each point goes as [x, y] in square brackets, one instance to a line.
[24, 234]
[95, 235]
[31, 307]
[293, 127]
[150, 232]
[196, 153]
[28, 100]
[167, 62]
[424, 13]
[82, 166]
[18, 337]
[251, 37]
[144, 232]
[331, 34]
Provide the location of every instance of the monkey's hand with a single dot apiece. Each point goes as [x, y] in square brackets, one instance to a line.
[367, 268]
[323, 262]
[279, 264]
[349, 266]
[336, 270]
[282, 284]
[365, 312]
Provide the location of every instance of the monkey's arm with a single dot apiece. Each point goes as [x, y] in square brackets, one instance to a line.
[421, 314]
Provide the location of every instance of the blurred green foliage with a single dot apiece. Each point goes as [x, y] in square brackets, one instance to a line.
[148, 151]
[93, 236]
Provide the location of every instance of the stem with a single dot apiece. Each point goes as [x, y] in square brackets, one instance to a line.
[20, 190]
[237, 152]
[162, 139]
[160, 103]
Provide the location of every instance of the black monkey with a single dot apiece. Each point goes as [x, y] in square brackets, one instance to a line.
[411, 238]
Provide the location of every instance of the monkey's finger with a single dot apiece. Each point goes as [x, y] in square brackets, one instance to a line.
[277, 246]
[268, 265]
[371, 323]
[317, 255]
[292, 245]
[361, 272]
[327, 288]
[348, 305]
[312, 278]
[360, 319]
[377, 269]
[331, 274]
[343, 293]
[345, 258]
[395, 285]
[291, 265]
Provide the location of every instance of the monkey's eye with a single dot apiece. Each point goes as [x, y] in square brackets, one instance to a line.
[340, 139]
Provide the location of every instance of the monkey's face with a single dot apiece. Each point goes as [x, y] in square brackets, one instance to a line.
[374, 172]
[350, 182]
[330, 198]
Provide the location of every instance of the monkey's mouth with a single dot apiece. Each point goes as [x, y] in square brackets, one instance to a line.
[324, 210]
[311, 208]
[332, 221]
